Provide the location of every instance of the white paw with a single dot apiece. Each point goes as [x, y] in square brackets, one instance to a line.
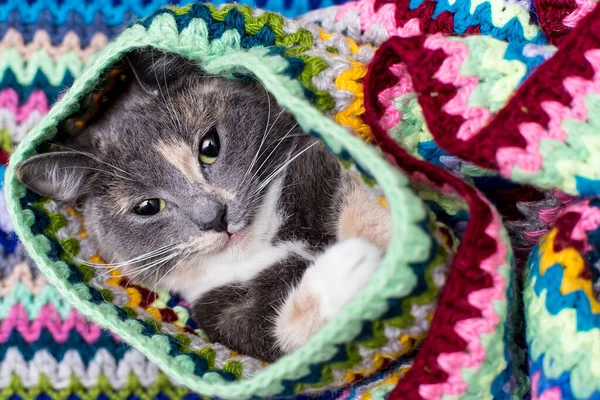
[340, 273]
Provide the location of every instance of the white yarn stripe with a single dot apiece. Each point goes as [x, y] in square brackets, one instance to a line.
[60, 373]
[18, 130]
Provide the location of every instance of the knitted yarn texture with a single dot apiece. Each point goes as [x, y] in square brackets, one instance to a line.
[525, 137]
[458, 99]
[380, 328]
[47, 349]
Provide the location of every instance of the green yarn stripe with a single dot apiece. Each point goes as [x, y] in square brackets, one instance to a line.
[133, 387]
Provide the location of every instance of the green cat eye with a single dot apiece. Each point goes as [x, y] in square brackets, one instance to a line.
[209, 148]
[148, 207]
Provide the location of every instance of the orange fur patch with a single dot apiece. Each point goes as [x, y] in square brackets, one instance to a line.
[298, 319]
[303, 307]
[363, 215]
[180, 155]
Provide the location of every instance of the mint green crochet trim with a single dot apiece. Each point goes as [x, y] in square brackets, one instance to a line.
[412, 129]
[579, 156]
[572, 350]
[381, 392]
[26, 70]
[498, 77]
[33, 303]
[393, 279]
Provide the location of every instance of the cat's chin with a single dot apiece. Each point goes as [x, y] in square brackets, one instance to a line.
[209, 244]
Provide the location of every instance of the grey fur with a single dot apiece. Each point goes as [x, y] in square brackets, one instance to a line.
[115, 162]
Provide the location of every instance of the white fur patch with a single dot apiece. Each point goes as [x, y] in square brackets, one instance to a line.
[327, 286]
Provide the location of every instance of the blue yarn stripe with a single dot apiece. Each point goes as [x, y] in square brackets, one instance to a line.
[58, 350]
[463, 19]
[563, 381]
[30, 12]
[555, 301]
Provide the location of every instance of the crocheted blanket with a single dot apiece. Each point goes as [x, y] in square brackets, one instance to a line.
[488, 130]
[47, 348]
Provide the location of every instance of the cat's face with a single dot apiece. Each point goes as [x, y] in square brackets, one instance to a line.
[176, 169]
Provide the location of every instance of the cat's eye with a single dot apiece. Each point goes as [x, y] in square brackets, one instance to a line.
[148, 207]
[209, 148]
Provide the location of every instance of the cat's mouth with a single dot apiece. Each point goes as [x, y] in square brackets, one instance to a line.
[237, 236]
[213, 243]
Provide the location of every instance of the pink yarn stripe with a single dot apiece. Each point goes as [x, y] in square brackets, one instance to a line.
[549, 215]
[471, 330]
[411, 28]
[584, 7]
[589, 220]
[533, 237]
[384, 16]
[392, 117]
[475, 117]
[344, 396]
[37, 101]
[529, 158]
[13, 39]
[345, 8]
[49, 318]
[554, 393]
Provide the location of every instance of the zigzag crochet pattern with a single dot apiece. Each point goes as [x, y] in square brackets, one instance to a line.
[489, 136]
[47, 349]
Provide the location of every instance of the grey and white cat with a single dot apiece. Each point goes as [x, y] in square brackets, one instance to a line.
[204, 186]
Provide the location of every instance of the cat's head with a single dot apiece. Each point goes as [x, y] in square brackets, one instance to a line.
[179, 167]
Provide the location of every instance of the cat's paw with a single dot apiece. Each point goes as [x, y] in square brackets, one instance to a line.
[340, 273]
[326, 287]
[363, 215]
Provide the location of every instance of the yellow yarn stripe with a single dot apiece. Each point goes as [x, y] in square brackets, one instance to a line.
[573, 265]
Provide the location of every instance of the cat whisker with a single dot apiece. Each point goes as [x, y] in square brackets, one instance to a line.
[275, 148]
[109, 267]
[266, 133]
[142, 257]
[282, 168]
[175, 114]
[257, 199]
[110, 272]
[83, 167]
[138, 259]
[173, 267]
[93, 157]
[145, 266]
[153, 264]
[276, 163]
[139, 269]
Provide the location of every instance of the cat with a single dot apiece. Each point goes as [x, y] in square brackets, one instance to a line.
[204, 186]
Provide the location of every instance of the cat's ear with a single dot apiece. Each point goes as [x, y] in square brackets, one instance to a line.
[154, 70]
[144, 73]
[59, 175]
